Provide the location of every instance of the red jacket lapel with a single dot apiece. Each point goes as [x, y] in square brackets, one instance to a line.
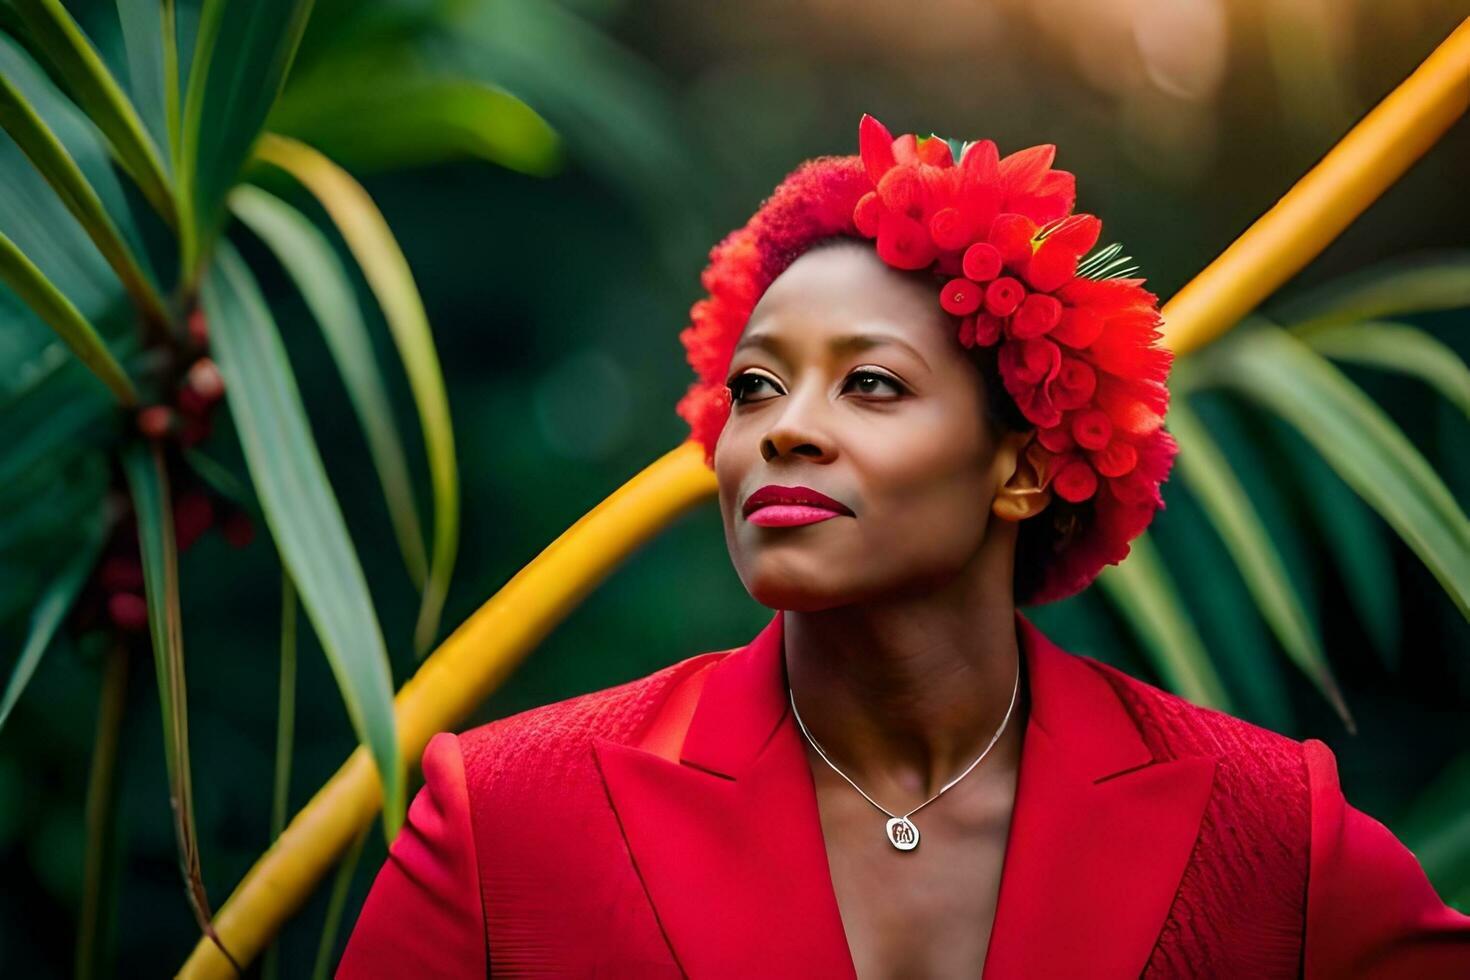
[728, 841]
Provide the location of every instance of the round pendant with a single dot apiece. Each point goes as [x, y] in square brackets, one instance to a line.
[902, 833]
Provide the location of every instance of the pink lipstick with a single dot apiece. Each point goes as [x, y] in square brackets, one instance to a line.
[778, 506]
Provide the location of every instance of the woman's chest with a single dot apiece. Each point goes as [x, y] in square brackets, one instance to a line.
[924, 912]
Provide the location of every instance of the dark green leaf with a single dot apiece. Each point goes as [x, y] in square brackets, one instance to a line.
[309, 259]
[241, 57]
[50, 612]
[1142, 590]
[1354, 435]
[97, 92]
[304, 517]
[36, 291]
[53, 162]
[1208, 474]
[148, 481]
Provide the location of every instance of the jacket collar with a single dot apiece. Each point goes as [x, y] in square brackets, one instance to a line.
[729, 846]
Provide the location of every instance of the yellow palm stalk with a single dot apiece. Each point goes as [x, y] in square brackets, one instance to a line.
[488, 646]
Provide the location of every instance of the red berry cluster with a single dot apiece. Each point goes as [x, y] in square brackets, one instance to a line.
[117, 589]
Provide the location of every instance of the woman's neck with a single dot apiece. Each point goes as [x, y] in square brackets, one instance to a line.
[904, 694]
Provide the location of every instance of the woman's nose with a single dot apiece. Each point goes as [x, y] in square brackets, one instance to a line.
[798, 428]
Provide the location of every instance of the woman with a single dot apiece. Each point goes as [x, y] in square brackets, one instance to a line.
[900, 775]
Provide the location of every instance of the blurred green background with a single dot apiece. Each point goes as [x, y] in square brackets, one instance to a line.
[557, 284]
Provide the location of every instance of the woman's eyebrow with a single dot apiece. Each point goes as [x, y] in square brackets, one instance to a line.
[847, 343]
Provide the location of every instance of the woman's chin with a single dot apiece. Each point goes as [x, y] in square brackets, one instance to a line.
[804, 594]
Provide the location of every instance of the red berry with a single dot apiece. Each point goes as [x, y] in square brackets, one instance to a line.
[204, 378]
[238, 529]
[949, 229]
[198, 329]
[128, 611]
[156, 421]
[193, 514]
[1117, 459]
[120, 573]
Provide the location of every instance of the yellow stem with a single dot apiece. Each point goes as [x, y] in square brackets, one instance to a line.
[452, 682]
[486, 648]
[1352, 175]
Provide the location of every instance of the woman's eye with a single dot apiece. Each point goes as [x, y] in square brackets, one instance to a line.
[744, 385]
[870, 376]
[739, 386]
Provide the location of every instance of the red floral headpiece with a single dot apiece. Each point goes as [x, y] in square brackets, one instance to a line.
[1076, 341]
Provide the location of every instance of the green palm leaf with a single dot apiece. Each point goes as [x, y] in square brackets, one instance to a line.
[302, 511]
[1400, 348]
[53, 162]
[33, 216]
[1413, 284]
[404, 117]
[308, 258]
[242, 54]
[50, 612]
[46, 301]
[147, 479]
[1207, 472]
[1141, 589]
[386, 270]
[1353, 434]
[97, 92]
[143, 35]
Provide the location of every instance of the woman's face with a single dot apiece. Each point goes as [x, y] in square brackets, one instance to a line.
[848, 380]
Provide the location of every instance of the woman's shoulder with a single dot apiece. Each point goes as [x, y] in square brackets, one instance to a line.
[1174, 727]
[564, 729]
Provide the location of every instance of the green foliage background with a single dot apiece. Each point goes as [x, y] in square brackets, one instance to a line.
[555, 302]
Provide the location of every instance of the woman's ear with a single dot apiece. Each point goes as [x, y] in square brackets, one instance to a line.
[1026, 490]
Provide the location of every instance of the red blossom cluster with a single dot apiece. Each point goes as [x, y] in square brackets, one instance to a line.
[1077, 354]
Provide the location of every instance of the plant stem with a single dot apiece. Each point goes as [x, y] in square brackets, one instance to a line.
[94, 926]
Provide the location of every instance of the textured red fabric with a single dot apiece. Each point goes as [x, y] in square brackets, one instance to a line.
[1150, 837]
[423, 916]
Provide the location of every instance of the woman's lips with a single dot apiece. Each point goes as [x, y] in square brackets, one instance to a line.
[790, 515]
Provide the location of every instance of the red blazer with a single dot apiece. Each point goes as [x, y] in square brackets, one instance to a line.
[669, 827]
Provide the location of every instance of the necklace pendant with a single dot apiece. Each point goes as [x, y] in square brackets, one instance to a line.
[902, 833]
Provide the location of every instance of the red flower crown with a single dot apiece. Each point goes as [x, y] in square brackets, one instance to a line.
[1076, 347]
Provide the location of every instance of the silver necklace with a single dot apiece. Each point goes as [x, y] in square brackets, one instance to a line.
[902, 832]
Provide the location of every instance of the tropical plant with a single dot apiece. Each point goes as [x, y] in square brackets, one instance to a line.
[151, 153]
[111, 368]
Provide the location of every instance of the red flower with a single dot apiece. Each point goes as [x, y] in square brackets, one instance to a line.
[1028, 367]
[1074, 481]
[1037, 314]
[960, 297]
[1092, 429]
[1076, 381]
[1011, 234]
[903, 243]
[982, 262]
[1116, 459]
[1003, 295]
